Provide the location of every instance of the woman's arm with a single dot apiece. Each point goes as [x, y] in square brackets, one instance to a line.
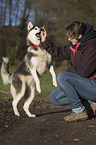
[57, 52]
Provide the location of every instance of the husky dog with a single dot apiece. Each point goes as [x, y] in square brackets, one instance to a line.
[35, 63]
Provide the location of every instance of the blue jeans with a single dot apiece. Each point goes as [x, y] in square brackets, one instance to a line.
[74, 91]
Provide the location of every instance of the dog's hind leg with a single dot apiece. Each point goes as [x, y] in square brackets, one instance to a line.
[30, 93]
[14, 104]
[16, 98]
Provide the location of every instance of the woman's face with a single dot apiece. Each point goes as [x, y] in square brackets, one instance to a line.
[73, 40]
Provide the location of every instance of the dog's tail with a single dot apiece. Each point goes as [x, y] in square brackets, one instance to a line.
[5, 71]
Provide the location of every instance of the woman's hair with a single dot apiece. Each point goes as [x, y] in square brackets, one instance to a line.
[75, 29]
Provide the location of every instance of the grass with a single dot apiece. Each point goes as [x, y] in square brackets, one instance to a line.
[45, 81]
[41, 101]
[46, 88]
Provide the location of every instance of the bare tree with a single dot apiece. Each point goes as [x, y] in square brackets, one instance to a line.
[54, 14]
[26, 12]
[10, 12]
[1, 13]
[4, 16]
[16, 15]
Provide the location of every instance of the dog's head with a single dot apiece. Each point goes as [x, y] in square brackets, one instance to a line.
[33, 34]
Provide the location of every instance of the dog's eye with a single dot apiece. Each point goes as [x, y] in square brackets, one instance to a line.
[36, 28]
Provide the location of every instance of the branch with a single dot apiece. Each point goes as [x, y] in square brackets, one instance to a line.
[3, 92]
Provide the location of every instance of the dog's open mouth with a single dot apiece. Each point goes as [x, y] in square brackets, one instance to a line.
[38, 34]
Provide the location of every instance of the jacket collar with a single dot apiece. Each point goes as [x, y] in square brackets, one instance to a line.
[90, 33]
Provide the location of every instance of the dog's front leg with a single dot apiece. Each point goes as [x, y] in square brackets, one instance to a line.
[53, 75]
[34, 74]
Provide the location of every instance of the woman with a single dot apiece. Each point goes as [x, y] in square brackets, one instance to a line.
[76, 87]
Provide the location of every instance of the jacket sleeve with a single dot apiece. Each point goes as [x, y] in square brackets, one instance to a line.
[88, 64]
[57, 52]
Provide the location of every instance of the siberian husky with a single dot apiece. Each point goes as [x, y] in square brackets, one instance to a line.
[35, 63]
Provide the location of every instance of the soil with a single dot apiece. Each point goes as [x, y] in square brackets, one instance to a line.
[48, 128]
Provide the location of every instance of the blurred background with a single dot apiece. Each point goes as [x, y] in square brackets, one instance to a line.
[55, 15]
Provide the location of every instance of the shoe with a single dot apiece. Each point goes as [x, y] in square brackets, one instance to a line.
[76, 117]
[93, 105]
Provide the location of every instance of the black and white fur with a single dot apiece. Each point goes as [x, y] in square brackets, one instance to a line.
[35, 63]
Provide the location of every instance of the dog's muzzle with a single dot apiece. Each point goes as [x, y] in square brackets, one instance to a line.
[38, 34]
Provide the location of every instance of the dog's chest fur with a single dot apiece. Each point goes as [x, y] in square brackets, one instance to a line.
[39, 59]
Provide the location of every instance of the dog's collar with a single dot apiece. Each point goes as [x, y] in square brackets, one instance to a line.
[35, 46]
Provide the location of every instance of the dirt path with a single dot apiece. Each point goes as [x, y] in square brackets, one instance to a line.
[48, 128]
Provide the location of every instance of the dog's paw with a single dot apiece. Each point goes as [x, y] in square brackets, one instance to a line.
[55, 83]
[17, 114]
[32, 115]
[39, 89]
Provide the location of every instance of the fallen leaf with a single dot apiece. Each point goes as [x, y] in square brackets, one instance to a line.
[76, 139]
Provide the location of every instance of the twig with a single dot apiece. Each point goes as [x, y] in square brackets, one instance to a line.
[3, 92]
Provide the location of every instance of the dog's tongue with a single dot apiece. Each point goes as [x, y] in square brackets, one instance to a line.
[38, 34]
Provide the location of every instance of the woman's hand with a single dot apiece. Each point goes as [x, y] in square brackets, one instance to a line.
[43, 34]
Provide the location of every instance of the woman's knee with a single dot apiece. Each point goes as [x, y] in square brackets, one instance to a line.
[55, 96]
[59, 76]
[52, 98]
[62, 76]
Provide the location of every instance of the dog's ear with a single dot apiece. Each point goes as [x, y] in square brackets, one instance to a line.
[29, 26]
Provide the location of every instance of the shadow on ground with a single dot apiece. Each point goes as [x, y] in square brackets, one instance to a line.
[48, 128]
